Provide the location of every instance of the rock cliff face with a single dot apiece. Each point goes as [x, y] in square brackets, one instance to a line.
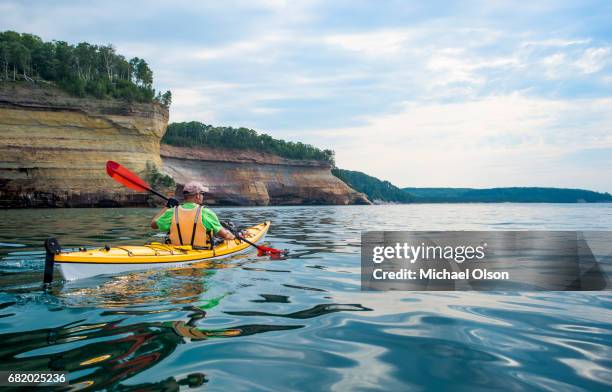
[54, 147]
[238, 177]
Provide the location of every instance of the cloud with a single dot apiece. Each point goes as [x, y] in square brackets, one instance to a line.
[574, 64]
[373, 43]
[594, 60]
[555, 42]
[494, 141]
[454, 66]
[241, 49]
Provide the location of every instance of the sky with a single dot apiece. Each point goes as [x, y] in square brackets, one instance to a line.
[422, 94]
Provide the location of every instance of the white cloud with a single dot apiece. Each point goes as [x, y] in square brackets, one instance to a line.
[373, 43]
[555, 66]
[412, 40]
[189, 97]
[557, 42]
[264, 110]
[186, 101]
[594, 60]
[494, 141]
[251, 47]
[457, 66]
[565, 65]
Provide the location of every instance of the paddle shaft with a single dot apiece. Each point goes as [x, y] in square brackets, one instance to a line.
[245, 240]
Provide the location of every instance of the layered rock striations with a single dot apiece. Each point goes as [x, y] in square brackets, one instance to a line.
[54, 146]
[239, 177]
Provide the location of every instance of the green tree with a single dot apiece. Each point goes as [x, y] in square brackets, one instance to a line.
[5, 56]
[144, 73]
[197, 134]
[375, 189]
[82, 69]
[166, 99]
[42, 60]
[19, 57]
[132, 71]
[108, 57]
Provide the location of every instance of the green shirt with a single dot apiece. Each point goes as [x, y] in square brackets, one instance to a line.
[209, 218]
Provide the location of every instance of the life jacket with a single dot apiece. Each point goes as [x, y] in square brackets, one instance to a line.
[187, 228]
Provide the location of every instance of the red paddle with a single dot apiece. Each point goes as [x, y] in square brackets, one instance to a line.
[123, 176]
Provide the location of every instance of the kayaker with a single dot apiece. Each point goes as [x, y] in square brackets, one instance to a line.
[190, 223]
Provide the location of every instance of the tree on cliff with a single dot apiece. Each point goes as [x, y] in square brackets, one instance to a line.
[82, 69]
[375, 189]
[4, 57]
[144, 75]
[197, 134]
[108, 56]
[165, 98]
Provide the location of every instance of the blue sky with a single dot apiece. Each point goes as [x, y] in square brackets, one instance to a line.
[465, 93]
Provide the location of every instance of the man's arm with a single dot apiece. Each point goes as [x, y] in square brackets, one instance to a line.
[154, 220]
[172, 202]
[211, 221]
[226, 234]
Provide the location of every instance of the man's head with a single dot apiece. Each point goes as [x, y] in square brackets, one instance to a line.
[193, 192]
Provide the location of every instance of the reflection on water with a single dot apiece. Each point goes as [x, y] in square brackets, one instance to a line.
[296, 324]
[177, 286]
[104, 354]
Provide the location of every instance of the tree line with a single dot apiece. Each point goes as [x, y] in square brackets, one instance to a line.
[194, 133]
[375, 189]
[81, 69]
[507, 195]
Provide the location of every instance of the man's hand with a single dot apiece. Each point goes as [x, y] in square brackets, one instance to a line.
[172, 202]
[225, 234]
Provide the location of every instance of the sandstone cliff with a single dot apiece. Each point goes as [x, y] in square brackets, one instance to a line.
[54, 147]
[239, 177]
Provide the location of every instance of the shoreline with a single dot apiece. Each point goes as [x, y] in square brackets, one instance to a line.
[302, 205]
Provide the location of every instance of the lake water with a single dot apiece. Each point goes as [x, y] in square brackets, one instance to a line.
[302, 323]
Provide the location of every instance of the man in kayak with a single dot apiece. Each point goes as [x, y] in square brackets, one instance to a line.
[190, 223]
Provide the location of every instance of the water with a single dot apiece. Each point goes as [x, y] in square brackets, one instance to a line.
[301, 323]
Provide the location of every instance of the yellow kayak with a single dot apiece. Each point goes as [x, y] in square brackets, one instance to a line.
[111, 260]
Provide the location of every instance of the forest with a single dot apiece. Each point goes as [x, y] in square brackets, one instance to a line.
[507, 195]
[189, 134]
[376, 190]
[81, 70]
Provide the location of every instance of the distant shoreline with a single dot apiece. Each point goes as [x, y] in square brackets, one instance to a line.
[301, 205]
[382, 191]
[507, 195]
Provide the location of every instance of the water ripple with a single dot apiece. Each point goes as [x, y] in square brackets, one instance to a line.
[300, 323]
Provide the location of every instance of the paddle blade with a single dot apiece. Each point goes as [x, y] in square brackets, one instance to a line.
[274, 253]
[126, 177]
